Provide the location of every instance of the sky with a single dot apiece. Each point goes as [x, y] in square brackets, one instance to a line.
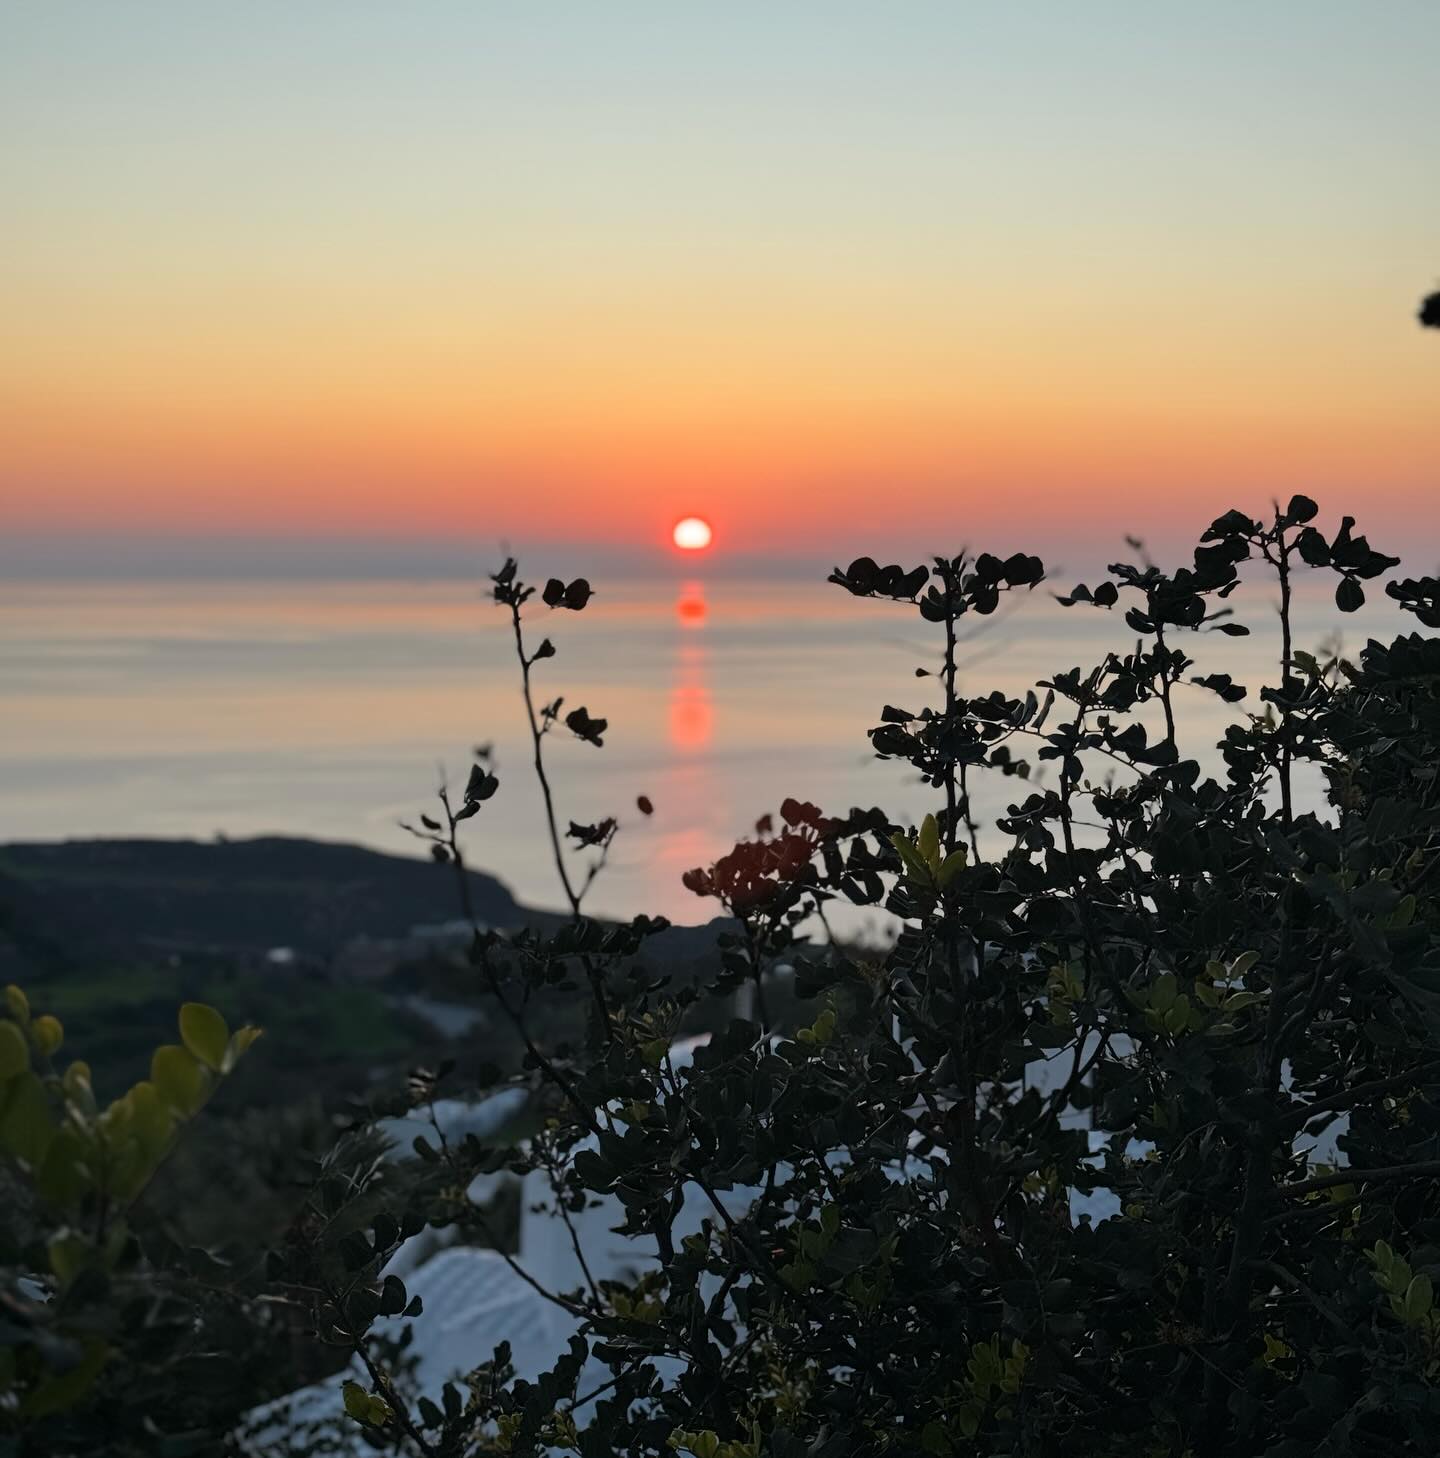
[836, 276]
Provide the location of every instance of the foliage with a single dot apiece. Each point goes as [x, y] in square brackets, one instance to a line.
[1145, 990]
[96, 1334]
[319, 1035]
[1211, 972]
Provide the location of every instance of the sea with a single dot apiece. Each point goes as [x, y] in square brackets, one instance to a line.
[335, 709]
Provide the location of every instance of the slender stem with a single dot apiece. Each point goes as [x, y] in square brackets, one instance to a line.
[537, 735]
[379, 1378]
[825, 922]
[971, 830]
[1282, 564]
[604, 1387]
[757, 973]
[1165, 683]
[1080, 1067]
[555, 1185]
[596, 866]
[948, 678]
[1362, 1176]
[536, 741]
[960, 984]
[546, 1067]
[1349, 1097]
[1297, 1285]
[1091, 944]
[540, 1289]
[1258, 1181]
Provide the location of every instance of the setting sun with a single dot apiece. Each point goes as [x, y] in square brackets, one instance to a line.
[692, 534]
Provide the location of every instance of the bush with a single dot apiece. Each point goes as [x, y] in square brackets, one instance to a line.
[97, 1339]
[1060, 1170]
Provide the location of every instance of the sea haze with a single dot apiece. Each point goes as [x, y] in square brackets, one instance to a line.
[331, 708]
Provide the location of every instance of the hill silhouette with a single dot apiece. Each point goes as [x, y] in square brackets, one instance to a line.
[66, 899]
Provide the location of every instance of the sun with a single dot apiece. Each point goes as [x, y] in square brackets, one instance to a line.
[692, 534]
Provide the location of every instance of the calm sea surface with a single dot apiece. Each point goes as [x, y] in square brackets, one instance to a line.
[331, 710]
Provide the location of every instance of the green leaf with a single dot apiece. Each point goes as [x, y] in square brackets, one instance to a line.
[357, 1401]
[69, 1253]
[205, 1033]
[151, 1118]
[928, 843]
[934, 1439]
[78, 1091]
[178, 1079]
[47, 1034]
[1419, 1297]
[241, 1042]
[366, 1407]
[1164, 992]
[1404, 913]
[14, 1051]
[26, 1127]
[64, 1177]
[796, 1274]
[910, 855]
[17, 1005]
[951, 866]
[1178, 1017]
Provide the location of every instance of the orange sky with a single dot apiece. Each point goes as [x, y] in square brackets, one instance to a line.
[573, 278]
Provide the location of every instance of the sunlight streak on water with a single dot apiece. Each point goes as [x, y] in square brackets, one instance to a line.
[191, 708]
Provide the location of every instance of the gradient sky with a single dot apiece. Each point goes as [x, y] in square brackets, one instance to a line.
[826, 273]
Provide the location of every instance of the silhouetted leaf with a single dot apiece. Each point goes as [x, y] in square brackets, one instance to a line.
[582, 726]
[481, 785]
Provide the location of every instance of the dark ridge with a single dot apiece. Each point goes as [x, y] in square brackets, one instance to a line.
[119, 896]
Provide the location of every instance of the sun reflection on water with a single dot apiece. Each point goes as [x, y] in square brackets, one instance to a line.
[692, 712]
[691, 609]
